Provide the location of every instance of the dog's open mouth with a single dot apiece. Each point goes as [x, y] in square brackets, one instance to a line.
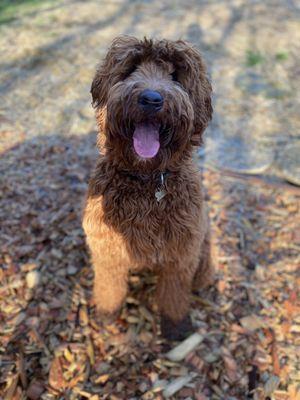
[149, 137]
[146, 139]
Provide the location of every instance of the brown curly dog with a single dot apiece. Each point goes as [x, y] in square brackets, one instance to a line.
[145, 206]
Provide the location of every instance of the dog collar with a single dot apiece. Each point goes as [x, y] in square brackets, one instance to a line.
[158, 177]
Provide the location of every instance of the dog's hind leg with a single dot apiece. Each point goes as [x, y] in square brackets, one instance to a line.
[204, 275]
[173, 298]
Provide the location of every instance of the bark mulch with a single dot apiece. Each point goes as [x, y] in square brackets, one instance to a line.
[247, 327]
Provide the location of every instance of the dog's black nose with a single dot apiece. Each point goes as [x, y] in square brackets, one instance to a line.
[151, 100]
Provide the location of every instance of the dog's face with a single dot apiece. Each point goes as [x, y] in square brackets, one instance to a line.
[153, 100]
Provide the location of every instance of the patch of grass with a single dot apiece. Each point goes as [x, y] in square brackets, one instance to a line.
[281, 56]
[253, 58]
[11, 10]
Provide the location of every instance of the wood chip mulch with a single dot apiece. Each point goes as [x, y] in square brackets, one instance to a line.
[247, 328]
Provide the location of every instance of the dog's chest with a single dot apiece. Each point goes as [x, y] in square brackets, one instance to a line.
[154, 219]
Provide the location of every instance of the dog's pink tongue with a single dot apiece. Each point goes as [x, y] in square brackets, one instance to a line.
[146, 140]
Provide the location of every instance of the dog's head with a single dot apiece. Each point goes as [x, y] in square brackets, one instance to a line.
[153, 99]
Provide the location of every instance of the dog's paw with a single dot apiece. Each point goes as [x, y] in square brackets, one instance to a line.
[103, 319]
[176, 330]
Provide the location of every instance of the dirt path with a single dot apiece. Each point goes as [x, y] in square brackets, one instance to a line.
[50, 345]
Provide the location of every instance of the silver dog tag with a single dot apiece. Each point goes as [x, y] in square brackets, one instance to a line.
[160, 194]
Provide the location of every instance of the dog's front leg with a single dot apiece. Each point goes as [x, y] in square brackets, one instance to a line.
[173, 298]
[110, 261]
[110, 286]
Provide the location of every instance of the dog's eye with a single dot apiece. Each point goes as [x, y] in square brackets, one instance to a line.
[129, 72]
[174, 76]
[132, 69]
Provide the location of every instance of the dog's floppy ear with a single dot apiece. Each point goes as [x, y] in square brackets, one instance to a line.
[195, 80]
[118, 63]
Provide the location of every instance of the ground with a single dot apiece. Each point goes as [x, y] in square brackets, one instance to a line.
[248, 323]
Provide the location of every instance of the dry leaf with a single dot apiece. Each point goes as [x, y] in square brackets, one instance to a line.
[271, 385]
[252, 322]
[35, 390]
[231, 368]
[33, 279]
[56, 378]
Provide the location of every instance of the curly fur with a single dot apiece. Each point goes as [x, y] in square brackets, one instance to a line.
[126, 228]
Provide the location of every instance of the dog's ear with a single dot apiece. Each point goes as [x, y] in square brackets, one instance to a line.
[194, 79]
[118, 63]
